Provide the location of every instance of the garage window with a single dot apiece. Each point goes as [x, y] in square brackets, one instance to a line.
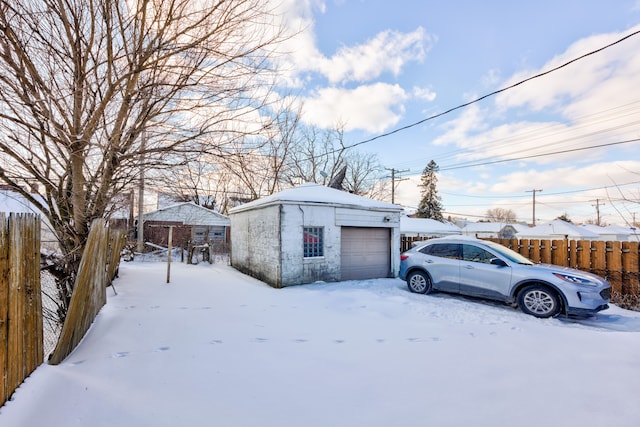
[313, 241]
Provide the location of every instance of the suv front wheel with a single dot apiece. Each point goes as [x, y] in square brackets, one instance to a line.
[419, 282]
[539, 301]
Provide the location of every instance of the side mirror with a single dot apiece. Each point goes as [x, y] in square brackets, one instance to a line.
[498, 262]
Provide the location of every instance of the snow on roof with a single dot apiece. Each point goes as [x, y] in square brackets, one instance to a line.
[611, 229]
[559, 228]
[11, 201]
[426, 225]
[188, 213]
[317, 193]
[484, 227]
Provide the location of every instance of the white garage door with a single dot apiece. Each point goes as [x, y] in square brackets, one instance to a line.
[366, 253]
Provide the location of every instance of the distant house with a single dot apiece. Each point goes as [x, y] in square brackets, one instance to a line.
[426, 227]
[192, 224]
[558, 229]
[510, 231]
[615, 232]
[492, 230]
[315, 233]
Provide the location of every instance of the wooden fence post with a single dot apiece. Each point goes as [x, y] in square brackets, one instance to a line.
[534, 250]
[545, 251]
[21, 343]
[631, 283]
[4, 305]
[598, 258]
[523, 248]
[613, 258]
[89, 292]
[573, 254]
[583, 258]
[559, 252]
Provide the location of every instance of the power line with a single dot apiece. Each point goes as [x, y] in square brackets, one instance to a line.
[570, 150]
[466, 104]
[533, 135]
[518, 196]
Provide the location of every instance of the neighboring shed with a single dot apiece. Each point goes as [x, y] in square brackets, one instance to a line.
[192, 223]
[500, 230]
[315, 233]
[426, 227]
[558, 229]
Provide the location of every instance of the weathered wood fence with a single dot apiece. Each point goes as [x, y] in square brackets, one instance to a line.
[20, 300]
[21, 341]
[98, 267]
[617, 261]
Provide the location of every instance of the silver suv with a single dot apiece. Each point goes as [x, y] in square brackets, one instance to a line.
[485, 269]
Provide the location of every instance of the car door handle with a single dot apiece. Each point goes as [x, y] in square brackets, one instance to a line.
[428, 261]
[468, 267]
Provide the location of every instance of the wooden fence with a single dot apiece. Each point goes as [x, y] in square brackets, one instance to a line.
[98, 267]
[617, 261]
[21, 342]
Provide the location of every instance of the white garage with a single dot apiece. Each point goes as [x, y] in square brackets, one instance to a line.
[315, 233]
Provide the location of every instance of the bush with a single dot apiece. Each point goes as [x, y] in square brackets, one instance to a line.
[628, 301]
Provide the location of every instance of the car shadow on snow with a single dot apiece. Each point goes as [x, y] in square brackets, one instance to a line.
[613, 319]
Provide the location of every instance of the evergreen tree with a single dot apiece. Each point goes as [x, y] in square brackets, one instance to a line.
[430, 206]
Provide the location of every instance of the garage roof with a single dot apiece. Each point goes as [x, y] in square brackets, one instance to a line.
[311, 193]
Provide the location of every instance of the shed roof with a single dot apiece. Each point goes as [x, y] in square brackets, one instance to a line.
[488, 227]
[190, 214]
[559, 228]
[427, 225]
[311, 193]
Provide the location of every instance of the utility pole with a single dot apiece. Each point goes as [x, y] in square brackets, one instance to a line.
[393, 181]
[597, 206]
[534, 191]
[143, 140]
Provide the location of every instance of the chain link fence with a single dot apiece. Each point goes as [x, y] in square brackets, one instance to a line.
[51, 303]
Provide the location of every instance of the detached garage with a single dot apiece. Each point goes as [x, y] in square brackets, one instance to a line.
[315, 233]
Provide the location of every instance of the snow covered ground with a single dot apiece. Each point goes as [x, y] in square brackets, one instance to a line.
[215, 347]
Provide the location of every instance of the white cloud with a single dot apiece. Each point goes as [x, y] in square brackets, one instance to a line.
[594, 175]
[371, 107]
[387, 51]
[424, 93]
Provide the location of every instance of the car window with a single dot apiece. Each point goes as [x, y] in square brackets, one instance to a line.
[443, 250]
[476, 254]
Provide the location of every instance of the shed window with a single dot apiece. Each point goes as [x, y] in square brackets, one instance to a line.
[313, 241]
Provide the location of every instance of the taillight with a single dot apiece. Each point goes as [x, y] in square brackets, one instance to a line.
[403, 257]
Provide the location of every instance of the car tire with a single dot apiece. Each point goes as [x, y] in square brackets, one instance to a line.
[419, 282]
[539, 301]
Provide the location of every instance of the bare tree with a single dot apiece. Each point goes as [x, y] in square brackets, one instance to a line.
[501, 215]
[83, 82]
[320, 155]
[366, 175]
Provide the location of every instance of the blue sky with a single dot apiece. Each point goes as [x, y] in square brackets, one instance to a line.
[375, 66]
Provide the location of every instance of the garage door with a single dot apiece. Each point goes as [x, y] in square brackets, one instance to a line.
[366, 253]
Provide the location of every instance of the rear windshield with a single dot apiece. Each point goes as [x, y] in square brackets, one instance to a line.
[508, 253]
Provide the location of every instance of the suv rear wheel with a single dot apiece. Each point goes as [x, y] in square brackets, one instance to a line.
[419, 282]
[539, 301]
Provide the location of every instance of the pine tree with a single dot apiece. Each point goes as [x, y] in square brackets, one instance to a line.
[430, 206]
